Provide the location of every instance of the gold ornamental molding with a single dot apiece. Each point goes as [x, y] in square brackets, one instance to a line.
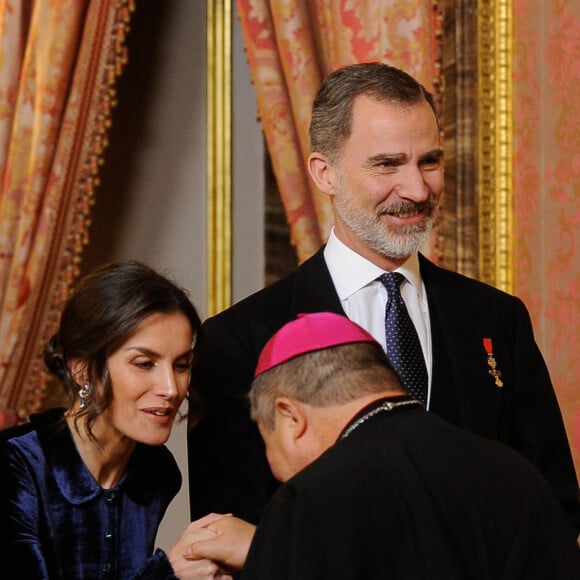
[219, 155]
[495, 144]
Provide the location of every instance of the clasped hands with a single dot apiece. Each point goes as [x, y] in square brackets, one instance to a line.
[212, 548]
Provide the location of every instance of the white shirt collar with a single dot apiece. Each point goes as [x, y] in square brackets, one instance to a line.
[350, 271]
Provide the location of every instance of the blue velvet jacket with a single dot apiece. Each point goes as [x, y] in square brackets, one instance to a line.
[57, 523]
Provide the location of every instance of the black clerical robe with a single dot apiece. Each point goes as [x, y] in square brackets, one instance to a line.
[407, 495]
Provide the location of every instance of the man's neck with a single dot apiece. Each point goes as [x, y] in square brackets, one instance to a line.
[354, 243]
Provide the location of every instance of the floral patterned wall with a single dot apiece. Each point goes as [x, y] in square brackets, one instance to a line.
[547, 189]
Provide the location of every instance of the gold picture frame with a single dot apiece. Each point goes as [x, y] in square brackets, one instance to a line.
[219, 155]
[495, 142]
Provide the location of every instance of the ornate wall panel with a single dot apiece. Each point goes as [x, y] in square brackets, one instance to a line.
[547, 189]
[476, 121]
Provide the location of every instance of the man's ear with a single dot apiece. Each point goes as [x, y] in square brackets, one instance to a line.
[322, 173]
[291, 417]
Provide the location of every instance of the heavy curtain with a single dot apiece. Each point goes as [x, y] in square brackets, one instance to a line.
[59, 61]
[292, 45]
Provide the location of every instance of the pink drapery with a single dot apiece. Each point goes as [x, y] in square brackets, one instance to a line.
[291, 46]
[547, 189]
[59, 62]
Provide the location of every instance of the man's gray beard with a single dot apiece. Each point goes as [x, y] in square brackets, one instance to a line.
[392, 243]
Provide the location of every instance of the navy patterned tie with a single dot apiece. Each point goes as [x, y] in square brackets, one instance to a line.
[403, 346]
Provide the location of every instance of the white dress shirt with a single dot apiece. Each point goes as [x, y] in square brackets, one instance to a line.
[364, 298]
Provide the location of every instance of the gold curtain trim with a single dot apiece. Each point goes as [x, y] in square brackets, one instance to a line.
[71, 230]
[495, 159]
[219, 137]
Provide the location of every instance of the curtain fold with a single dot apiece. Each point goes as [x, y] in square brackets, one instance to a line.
[291, 46]
[59, 63]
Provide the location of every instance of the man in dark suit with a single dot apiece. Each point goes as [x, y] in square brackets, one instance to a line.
[376, 153]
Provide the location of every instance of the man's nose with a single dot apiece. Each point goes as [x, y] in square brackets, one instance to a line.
[413, 185]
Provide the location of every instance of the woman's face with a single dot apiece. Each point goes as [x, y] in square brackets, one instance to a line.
[149, 376]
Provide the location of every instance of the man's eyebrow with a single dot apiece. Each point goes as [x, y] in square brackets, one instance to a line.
[434, 155]
[390, 157]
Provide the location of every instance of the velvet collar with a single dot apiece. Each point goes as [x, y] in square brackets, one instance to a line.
[71, 475]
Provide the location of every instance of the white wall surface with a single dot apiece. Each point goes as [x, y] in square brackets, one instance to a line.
[152, 203]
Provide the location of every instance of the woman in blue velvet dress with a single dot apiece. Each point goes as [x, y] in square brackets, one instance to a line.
[84, 488]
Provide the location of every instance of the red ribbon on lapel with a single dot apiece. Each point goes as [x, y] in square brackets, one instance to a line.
[491, 362]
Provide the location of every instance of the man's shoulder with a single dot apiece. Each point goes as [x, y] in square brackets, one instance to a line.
[446, 280]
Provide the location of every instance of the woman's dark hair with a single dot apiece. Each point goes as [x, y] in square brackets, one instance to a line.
[106, 308]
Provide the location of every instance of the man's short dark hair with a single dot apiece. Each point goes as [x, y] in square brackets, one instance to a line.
[330, 124]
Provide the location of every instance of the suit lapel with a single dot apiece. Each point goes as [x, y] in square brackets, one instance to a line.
[313, 290]
[461, 386]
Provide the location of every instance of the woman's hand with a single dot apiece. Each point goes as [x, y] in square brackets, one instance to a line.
[226, 542]
[188, 568]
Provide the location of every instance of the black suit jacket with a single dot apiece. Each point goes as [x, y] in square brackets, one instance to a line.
[228, 471]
